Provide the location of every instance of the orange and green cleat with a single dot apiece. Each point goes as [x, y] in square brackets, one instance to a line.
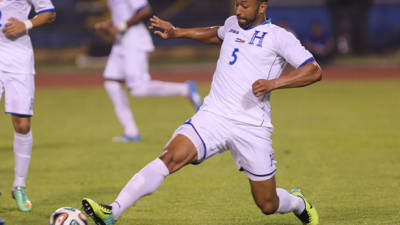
[20, 196]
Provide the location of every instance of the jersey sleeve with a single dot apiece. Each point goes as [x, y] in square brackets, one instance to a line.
[42, 6]
[137, 5]
[223, 29]
[290, 48]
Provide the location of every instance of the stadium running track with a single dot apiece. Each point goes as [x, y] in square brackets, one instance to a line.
[94, 78]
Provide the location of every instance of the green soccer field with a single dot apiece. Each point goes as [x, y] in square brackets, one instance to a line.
[337, 141]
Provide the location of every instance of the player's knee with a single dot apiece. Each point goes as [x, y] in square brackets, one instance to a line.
[22, 127]
[171, 159]
[174, 158]
[268, 207]
[111, 85]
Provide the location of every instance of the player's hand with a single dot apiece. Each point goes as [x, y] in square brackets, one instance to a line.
[113, 31]
[102, 27]
[106, 30]
[167, 29]
[14, 28]
[262, 87]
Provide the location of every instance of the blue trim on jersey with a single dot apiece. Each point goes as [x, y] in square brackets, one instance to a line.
[222, 40]
[201, 139]
[46, 10]
[265, 22]
[18, 114]
[260, 175]
[307, 61]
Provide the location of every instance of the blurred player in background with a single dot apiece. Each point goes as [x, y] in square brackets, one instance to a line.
[17, 80]
[129, 63]
[235, 115]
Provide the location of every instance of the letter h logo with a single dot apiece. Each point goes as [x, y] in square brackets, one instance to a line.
[259, 37]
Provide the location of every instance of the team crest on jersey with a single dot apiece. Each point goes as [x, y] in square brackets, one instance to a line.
[258, 37]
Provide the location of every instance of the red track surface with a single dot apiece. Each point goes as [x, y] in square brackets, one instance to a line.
[92, 78]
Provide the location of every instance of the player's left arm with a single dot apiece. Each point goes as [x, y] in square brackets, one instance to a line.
[139, 16]
[15, 27]
[303, 76]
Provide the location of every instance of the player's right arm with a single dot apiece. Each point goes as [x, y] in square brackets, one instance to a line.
[166, 30]
[15, 27]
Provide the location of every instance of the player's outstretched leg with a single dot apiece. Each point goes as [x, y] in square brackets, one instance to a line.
[178, 153]
[163, 89]
[20, 196]
[309, 214]
[101, 214]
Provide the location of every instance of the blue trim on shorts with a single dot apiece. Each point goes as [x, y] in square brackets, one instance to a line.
[307, 61]
[18, 114]
[259, 175]
[46, 10]
[204, 144]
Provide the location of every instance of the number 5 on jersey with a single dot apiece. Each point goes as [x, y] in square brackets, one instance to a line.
[234, 55]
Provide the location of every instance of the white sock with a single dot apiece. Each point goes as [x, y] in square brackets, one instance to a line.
[22, 157]
[289, 202]
[143, 183]
[160, 88]
[121, 107]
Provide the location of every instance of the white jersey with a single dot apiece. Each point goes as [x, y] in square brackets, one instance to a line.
[259, 52]
[16, 55]
[137, 36]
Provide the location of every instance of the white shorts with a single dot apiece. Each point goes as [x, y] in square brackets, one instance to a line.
[19, 93]
[250, 146]
[131, 66]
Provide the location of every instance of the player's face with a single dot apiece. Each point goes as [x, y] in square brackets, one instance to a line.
[250, 12]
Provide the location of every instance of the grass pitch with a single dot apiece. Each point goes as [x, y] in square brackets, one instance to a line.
[337, 141]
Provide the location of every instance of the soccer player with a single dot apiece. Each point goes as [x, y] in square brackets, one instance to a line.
[235, 115]
[129, 64]
[17, 80]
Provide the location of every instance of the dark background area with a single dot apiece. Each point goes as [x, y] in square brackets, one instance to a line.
[362, 27]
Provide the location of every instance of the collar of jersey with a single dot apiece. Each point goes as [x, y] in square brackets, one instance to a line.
[265, 22]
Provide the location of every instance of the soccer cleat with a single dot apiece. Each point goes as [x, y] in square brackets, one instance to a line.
[20, 196]
[126, 138]
[101, 214]
[194, 95]
[309, 215]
